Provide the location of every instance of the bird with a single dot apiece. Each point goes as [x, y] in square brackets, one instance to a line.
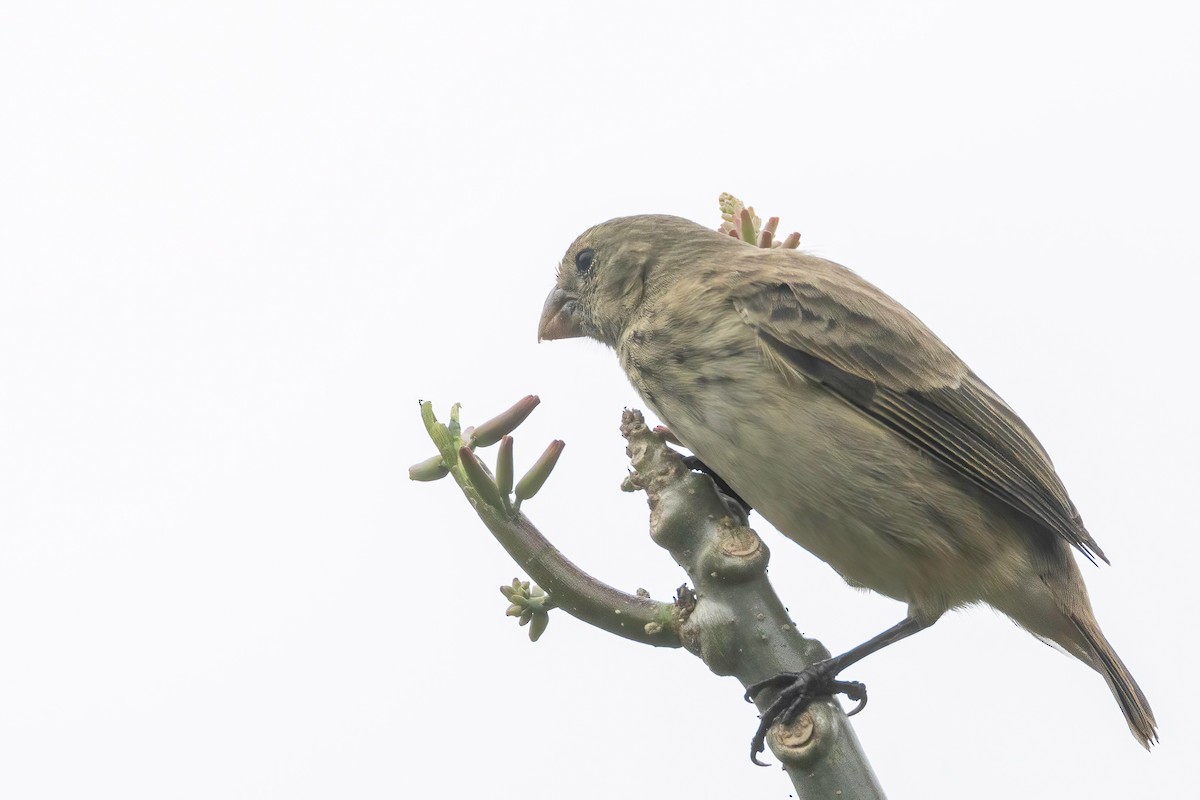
[834, 412]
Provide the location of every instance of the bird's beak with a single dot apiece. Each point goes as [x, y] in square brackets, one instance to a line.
[558, 317]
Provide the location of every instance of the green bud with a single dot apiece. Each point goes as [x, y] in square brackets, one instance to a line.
[504, 466]
[747, 232]
[441, 437]
[431, 469]
[728, 204]
[479, 478]
[539, 472]
[538, 626]
[427, 414]
[490, 432]
[526, 615]
[514, 610]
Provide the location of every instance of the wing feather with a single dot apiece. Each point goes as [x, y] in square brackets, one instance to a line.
[830, 326]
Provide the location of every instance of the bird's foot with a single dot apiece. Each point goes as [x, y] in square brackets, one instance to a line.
[797, 690]
[695, 464]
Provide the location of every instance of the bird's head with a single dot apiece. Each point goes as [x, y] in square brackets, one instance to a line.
[612, 268]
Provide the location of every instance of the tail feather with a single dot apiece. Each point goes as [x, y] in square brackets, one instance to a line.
[1129, 695]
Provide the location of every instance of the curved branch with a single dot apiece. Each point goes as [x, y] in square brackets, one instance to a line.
[576, 592]
[573, 590]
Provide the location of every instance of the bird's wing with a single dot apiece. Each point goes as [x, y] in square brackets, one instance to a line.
[834, 328]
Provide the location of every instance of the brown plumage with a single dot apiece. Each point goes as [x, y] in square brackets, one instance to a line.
[846, 423]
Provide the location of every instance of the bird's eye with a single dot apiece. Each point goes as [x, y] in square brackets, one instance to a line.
[583, 260]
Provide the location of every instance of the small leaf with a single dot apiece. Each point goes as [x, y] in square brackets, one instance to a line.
[489, 433]
[479, 478]
[431, 469]
[538, 626]
[747, 222]
[536, 477]
[504, 466]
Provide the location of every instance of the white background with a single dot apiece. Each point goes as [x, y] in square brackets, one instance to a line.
[239, 241]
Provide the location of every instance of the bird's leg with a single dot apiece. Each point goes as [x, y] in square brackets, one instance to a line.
[694, 463]
[798, 689]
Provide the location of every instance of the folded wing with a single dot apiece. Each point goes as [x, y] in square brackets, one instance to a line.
[879, 358]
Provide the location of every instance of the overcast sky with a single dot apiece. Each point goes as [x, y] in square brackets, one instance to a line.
[239, 241]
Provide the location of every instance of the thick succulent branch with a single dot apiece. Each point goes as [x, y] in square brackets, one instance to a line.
[738, 625]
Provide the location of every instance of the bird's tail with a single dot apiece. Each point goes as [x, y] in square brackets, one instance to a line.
[1129, 695]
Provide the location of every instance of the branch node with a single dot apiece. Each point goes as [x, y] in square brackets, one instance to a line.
[739, 554]
[808, 738]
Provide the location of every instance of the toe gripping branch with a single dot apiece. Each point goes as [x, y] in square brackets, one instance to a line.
[797, 690]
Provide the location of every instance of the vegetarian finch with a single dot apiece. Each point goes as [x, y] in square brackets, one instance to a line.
[841, 418]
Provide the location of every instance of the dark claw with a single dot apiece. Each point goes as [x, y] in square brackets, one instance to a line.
[694, 463]
[855, 691]
[797, 690]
